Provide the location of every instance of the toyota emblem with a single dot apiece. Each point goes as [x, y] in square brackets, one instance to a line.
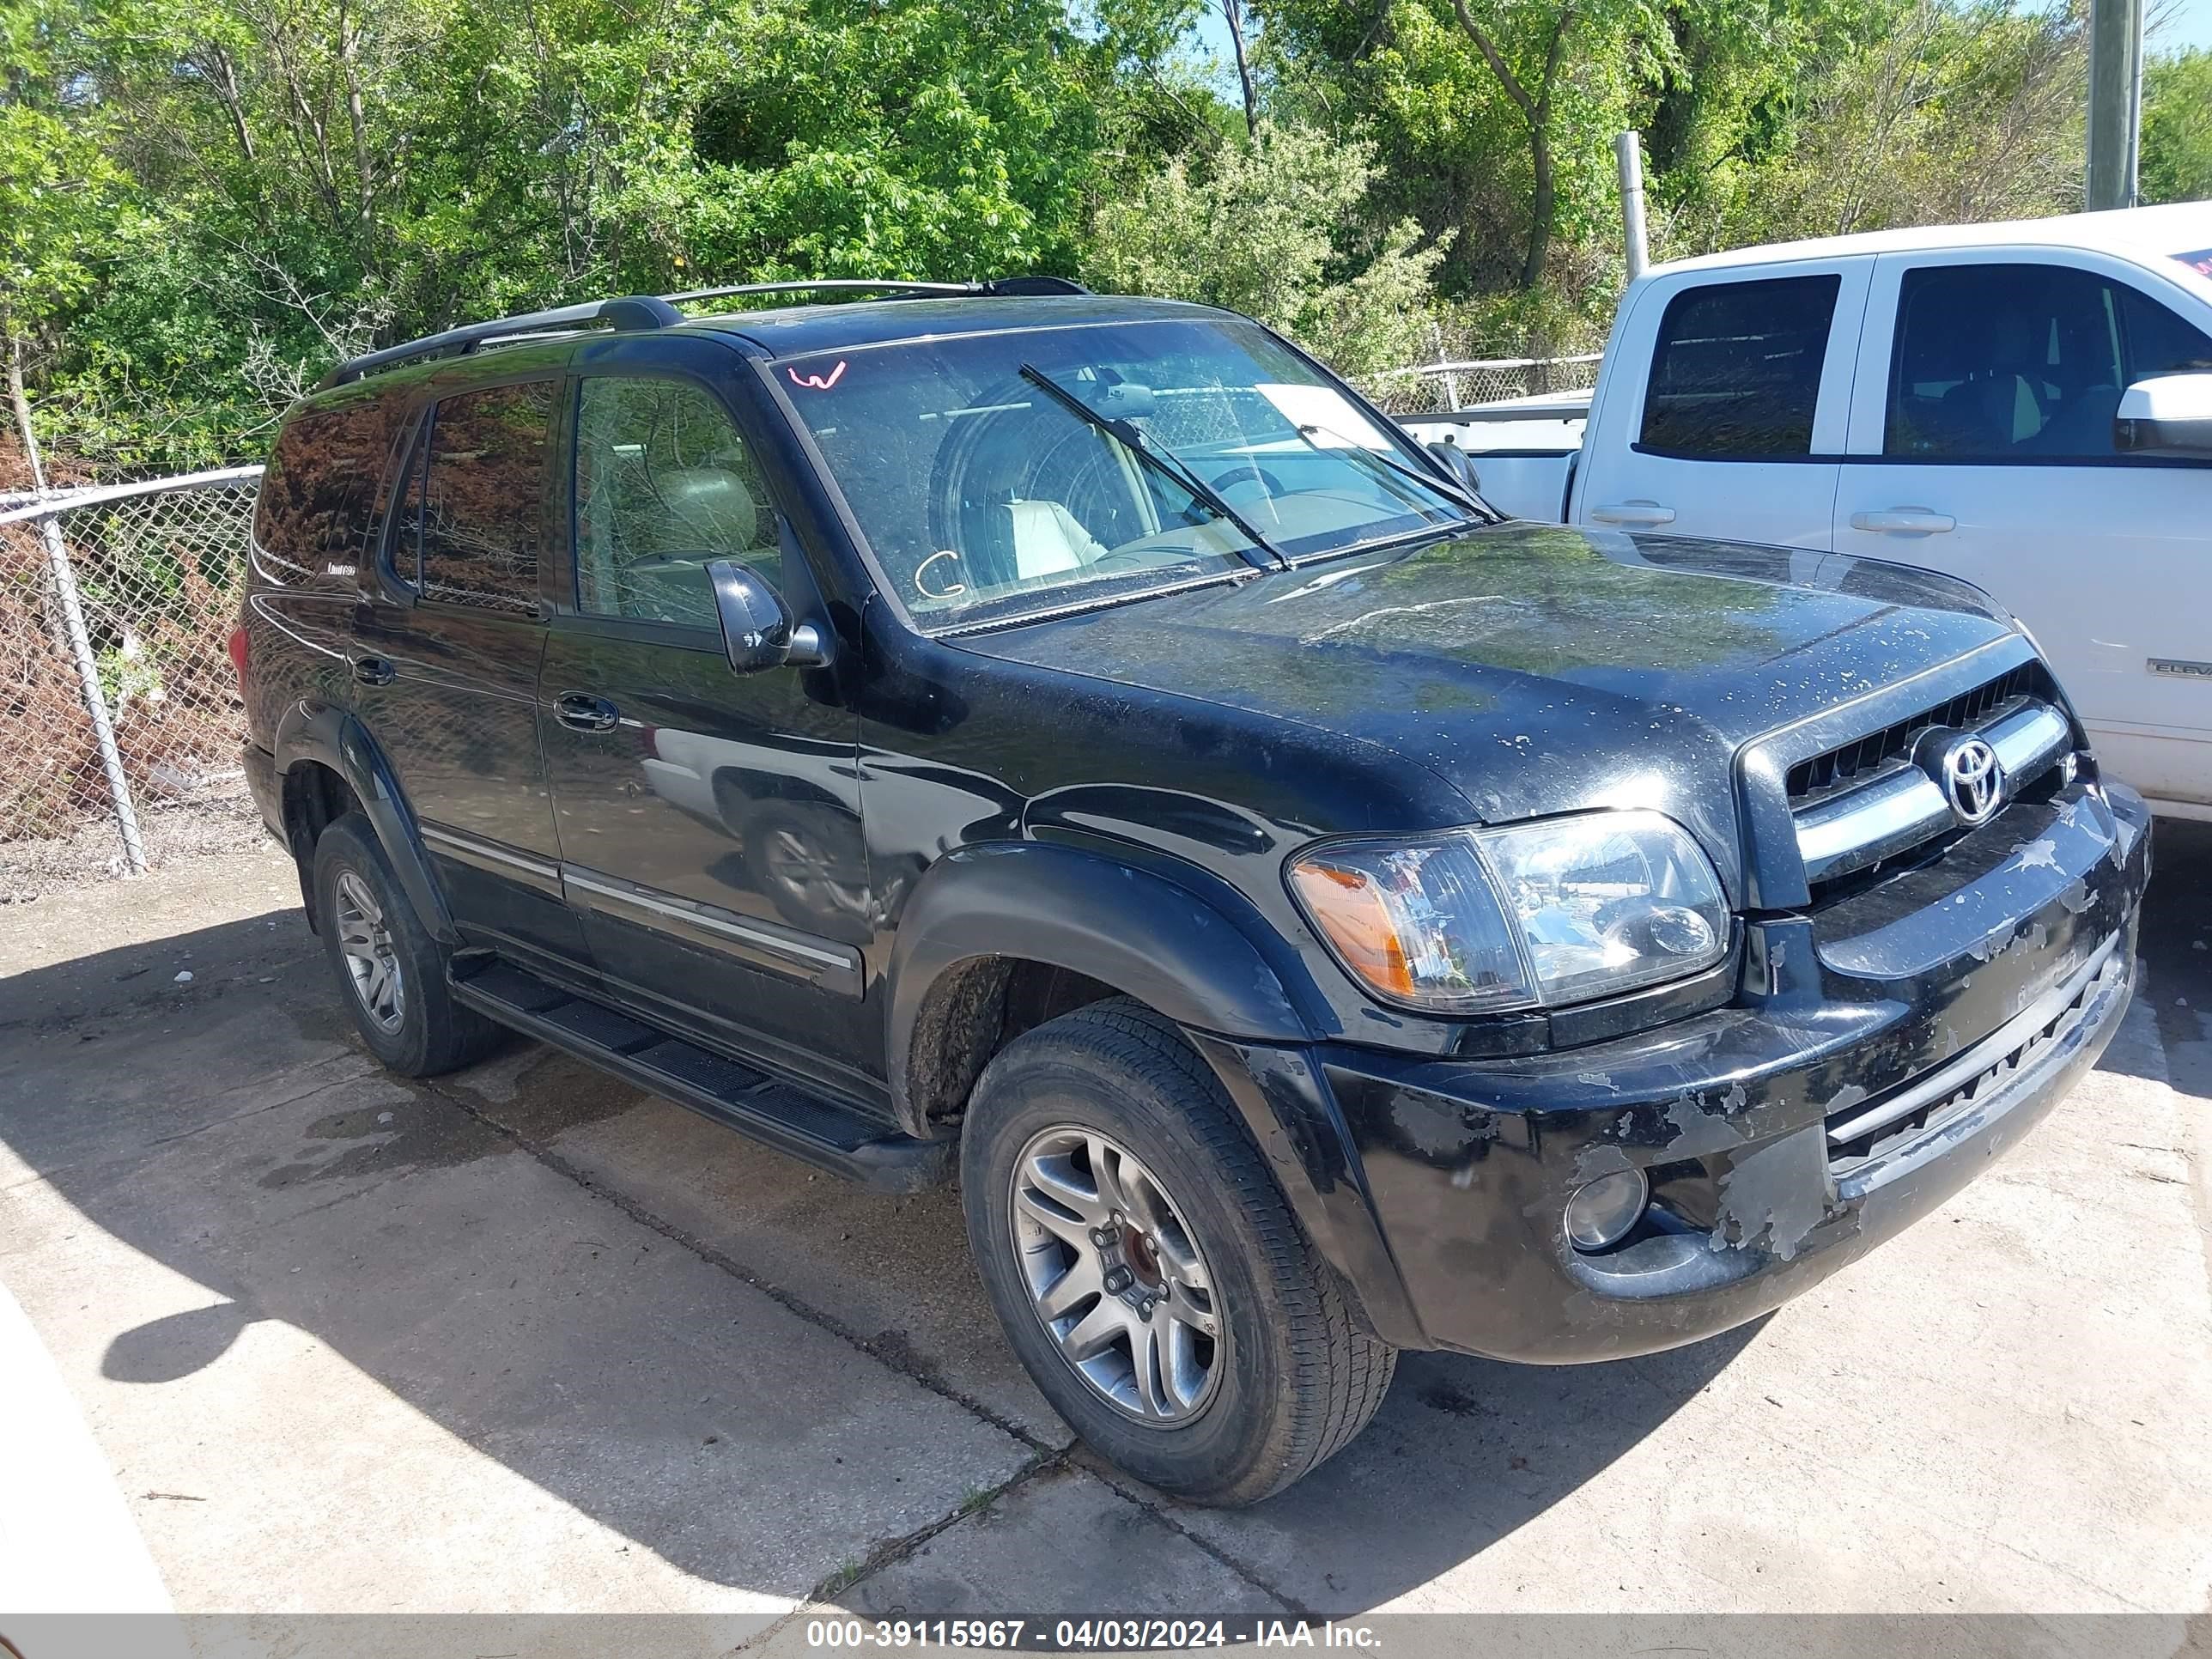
[1971, 778]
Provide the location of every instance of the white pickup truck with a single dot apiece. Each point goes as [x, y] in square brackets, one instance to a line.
[2026, 406]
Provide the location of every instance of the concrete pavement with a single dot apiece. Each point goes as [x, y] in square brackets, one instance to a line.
[524, 1340]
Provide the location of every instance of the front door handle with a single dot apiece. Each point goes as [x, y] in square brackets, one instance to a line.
[1647, 515]
[1904, 521]
[579, 711]
[373, 671]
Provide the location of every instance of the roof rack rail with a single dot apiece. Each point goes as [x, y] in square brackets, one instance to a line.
[633, 311]
[832, 284]
[644, 311]
[997, 286]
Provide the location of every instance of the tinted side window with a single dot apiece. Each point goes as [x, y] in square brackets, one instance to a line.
[482, 493]
[1736, 372]
[664, 484]
[2154, 341]
[318, 493]
[2012, 362]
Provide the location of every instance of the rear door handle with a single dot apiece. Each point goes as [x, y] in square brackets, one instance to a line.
[1904, 521]
[1645, 515]
[373, 671]
[579, 711]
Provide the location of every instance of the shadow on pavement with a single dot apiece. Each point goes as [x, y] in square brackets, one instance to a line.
[233, 1132]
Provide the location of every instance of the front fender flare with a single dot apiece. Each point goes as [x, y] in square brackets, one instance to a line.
[1125, 927]
[333, 737]
[1169, 948]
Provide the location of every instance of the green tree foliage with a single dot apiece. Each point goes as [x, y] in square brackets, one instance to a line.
[205, 203]
[1276, 229]
[323, 175]
[1956, 112]
[2177, 132]
[60, 193]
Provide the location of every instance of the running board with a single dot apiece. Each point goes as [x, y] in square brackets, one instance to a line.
[815, 1131]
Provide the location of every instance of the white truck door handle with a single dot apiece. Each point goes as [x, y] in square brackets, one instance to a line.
[1646, 513]
[1904, 521]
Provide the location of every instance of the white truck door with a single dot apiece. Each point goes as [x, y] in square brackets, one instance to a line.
[1722, 407]
[1981, 444]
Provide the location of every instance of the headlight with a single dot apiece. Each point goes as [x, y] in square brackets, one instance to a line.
[1540, 914]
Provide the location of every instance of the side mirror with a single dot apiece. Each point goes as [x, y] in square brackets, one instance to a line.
[2170, 414]
[1457, 462]
[757, 631]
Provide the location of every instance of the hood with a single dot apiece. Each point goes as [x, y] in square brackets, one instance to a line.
[1541, 669]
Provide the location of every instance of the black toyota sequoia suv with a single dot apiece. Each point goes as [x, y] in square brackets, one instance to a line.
[1077, 746]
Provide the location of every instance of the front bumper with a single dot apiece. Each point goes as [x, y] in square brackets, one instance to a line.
[1950, 1008]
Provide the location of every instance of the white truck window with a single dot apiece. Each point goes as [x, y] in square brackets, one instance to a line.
[2022, 362]
[1736, 374]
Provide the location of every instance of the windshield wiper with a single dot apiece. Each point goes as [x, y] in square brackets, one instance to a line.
[1449, 491]
[1170, 466]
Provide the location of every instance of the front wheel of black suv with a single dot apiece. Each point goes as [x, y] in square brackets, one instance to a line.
[390, 972]
[1147, 1268]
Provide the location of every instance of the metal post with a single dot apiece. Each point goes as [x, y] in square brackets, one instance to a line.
[1451, 376]
[1628, 152]
[96, 697]
[2116, 30]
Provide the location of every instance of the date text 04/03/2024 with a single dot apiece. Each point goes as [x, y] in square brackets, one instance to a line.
[1047, 1634]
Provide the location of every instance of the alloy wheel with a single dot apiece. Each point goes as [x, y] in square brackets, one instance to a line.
[372, 961]
[1116, 1276]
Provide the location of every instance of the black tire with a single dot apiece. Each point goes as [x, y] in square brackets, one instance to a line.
[431, 1032]
[1297, 1377]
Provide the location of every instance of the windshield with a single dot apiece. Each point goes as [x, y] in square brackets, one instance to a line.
[984, 494]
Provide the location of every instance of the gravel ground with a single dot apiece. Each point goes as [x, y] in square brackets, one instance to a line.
[219, 821]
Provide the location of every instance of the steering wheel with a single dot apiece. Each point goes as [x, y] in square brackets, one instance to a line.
[1246, 475]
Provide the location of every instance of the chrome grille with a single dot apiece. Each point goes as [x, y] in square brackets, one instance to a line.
[1849, 831]
[1849, 764]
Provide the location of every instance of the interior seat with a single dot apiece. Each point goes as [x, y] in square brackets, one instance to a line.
[1049, 539]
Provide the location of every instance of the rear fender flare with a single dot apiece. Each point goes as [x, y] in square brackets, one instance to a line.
[318, 732]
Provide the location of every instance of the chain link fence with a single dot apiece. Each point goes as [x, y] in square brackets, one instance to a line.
[123, 723]
[1436, 388]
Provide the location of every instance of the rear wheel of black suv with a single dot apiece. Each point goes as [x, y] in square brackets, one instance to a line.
[390, 972]
[1147, 1268]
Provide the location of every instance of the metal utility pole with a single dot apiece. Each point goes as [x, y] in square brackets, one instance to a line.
[1628, 152]
[2116, 47]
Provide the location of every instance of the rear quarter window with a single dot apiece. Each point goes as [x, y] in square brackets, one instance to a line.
[317, 496]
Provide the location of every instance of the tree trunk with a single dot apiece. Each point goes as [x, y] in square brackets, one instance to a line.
[1231, 10]
[1536, 110]
[1541, 208]
[348, 52]
[20, 406]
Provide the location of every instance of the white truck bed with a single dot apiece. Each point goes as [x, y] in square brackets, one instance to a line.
[1525, 448]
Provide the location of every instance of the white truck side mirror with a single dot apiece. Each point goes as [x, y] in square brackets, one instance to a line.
[1457, 462]
[2170, 414]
